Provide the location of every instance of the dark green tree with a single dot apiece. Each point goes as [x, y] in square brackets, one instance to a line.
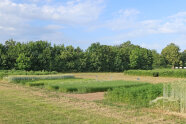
[10, 55]
[171, 54]
[23, 62]
[183, 58]
[93, 56]
[141, 58]
[158, 60]
[121, 59]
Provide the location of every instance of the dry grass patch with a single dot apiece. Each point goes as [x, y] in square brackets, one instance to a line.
[121, 76]
[88, 96]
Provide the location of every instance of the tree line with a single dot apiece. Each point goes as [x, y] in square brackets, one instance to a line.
[41, 55]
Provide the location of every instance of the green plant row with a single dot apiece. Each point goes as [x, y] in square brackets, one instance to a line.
[18, 79]
[4, 73]
[181, 73]
[138, 96]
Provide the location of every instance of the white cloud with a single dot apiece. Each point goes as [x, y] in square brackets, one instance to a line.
[128, 20]
[169, 25]
[130, 27]
[71, 13]
[54, 27]
[123, 19]
[17, 17]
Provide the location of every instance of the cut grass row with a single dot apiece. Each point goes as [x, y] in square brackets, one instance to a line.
[22, 107]
[180, 73]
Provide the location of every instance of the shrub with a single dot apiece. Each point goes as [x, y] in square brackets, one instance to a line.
[36, 84]
[52, 87]
[155, 74]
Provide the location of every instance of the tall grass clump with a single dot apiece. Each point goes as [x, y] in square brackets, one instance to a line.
[180, 73]
[176, 91]
[137, 96]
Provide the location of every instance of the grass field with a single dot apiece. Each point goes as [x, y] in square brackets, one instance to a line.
[34, 103]
[20, 104]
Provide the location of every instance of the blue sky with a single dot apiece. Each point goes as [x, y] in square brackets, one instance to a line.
[149, 23]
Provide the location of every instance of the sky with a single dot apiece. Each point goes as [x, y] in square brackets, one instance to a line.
[152, 24]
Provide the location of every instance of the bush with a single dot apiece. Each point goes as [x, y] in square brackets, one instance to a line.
[138, 96]
[52, 87]
[36, 84]
[155, 74]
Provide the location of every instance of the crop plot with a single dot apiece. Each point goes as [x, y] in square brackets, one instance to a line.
[68, 83]
[132, 98]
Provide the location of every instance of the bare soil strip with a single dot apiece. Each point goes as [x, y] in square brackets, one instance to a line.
[88, 96]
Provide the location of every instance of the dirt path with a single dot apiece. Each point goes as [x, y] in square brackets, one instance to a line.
[121, 76]
[88, 96]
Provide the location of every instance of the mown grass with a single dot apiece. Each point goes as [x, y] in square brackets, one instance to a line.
[20, 104]
[180, 73]
[21, 107]
[137, 96]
